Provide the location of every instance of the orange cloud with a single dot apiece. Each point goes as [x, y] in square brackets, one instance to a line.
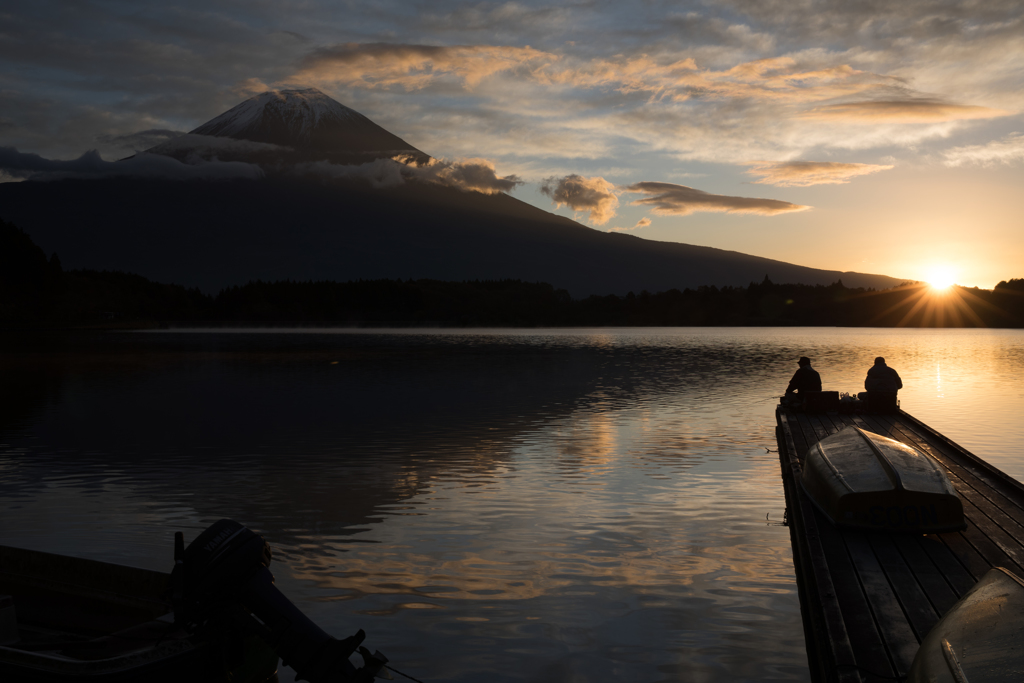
[468, 175]
[642, 223]
[806, 173]
[596, 196]
[902, 111]
[679, 200]
[414, 67]
[411, 67]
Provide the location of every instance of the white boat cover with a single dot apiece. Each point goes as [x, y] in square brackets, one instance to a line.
[865, 480]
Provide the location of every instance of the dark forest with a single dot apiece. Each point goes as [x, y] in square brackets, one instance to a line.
[36, 292]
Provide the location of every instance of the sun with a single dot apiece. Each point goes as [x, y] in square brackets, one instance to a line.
[941, 277]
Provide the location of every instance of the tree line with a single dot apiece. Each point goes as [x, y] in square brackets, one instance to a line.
[37, 291]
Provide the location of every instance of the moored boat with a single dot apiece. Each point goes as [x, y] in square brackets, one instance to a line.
[864, 480]
[69, 619]
[980, 639]
[217, 617]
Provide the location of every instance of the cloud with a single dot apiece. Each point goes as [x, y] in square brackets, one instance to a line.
[679, 200]
[1006, 151]
[142, 165]
[642, 223]
[806, 173]
[143, 139]
[902, 111]
[720, 81]
[596, 196]
[700, 104]
[207, 147]
[667, 78]
[411, 67]
[467, 175]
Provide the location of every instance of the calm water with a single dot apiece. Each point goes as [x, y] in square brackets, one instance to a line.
[563, 506]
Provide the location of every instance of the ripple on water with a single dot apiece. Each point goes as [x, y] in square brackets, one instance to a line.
[585, 505]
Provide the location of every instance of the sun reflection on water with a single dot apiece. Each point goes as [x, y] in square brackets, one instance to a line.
[596, 506]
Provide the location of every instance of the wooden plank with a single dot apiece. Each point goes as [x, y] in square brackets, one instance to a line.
[807, 433]
[960, 580]
[866, 638]
[916, 605]
[814, 422]
[896, 631]
[998, 479]
[833, 658]
[992, 521]
[937, 589]
[791, 425]
[988, 548]
[968, 556]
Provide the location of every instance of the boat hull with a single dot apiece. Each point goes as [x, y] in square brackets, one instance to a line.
[73, 619]
[980, 639]
[862, 480]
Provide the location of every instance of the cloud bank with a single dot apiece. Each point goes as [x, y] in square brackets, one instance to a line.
[91, 165]
[807, 173]
[141, 140]
[594, 196]
[207, 147]
[466, 175]
[412, 67]
[902, 111]
[680, 200]
[1009, 150]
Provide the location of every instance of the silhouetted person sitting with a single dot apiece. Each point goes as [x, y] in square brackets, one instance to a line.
[805, 378]
[881, 384]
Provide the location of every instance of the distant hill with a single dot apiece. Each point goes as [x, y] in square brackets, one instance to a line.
[342, 222]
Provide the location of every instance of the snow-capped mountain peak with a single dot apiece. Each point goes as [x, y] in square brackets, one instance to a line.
[304, 110]
[309, 122]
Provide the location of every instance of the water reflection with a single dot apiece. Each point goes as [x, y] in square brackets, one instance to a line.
[509, 506]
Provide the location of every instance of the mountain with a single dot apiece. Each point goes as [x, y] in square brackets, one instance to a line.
[291, 126]
[319, 215]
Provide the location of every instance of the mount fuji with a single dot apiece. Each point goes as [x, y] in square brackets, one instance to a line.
[290, 126]
[322, 197]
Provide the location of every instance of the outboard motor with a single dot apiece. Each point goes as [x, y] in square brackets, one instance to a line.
[221, 581]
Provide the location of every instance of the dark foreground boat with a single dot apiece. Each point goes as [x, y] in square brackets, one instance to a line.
[864, 480]
[980, 639]
[216, 617]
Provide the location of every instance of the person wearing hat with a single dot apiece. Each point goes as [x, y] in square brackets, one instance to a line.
[805, 378]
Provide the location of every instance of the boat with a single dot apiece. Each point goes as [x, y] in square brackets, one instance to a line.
[216, 617]
[863, 480]
[980, 639]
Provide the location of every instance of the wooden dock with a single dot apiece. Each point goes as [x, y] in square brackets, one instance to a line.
[869, 599]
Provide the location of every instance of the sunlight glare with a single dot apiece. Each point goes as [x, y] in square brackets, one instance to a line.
[941, 277]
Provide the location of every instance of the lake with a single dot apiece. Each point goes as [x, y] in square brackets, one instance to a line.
[501, 505]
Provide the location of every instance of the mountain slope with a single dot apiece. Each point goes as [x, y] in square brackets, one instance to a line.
[212, 235]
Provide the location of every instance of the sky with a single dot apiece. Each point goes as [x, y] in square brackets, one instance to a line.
[881, 137]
